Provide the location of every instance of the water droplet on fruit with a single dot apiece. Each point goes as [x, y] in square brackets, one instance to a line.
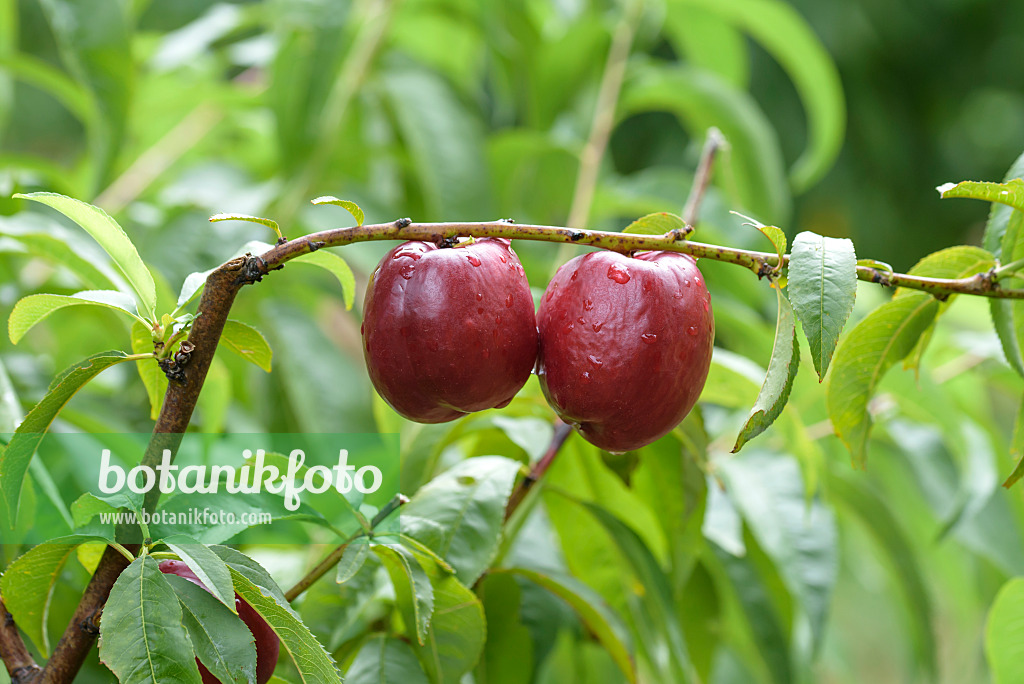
[486, 353]
[618, 274]
[586, 378]
[406, 271]
[519, 269]
[580, 320]
[480, 310]
[678, 294]
[479, 296]
[692, 330]
[597, 326]
[503, 259]
[686, 282]
[497, 320]
[596, 361]
[696, 280]
[649, 338]
[707, 305]
[473, 260]
[574, 275]
[508, 301]
[647, 286]
[551, 292]
[405, 332]
[587, 305]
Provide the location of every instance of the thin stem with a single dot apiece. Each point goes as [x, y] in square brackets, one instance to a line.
[702, 178]
[1007, 270]
[321, 569]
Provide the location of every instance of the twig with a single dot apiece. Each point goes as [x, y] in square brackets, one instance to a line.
[702, 178]
[21, 667]
[562, 432]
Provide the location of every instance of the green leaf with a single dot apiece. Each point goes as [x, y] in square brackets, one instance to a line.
[508, 656]
[238, 562]
[348, 205]
[884, 337]
[1017, 448]
[784, 34]
[222, 642]
[193, 285]
[142, 639]
[1010, 193]
[1000, 216]
[592, 610]
[269, 223]
[897, 549]
[709, 41]
[1004, 319]
[385, 660]
[207, 566]
[314, 664]
[15, 458]
[656, 224]
[49, 240]
[1004, 633]
[875, 264]
[774, 234]
[822, 288]
[778, 382]
[111, 238]
[664, 645]
[29, 581]
[34, 308]
[413, 591]
[247, 342]
[352, 561]
[459, 514]
[153, 377]
[457, 631]
[800, 537]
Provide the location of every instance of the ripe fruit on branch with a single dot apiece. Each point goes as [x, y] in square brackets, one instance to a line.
[625, 345]
[267, 643]
[448, 331]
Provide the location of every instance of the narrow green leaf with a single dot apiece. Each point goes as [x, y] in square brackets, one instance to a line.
[822, 288]
[385, 660]
[248, 342]
[457, 631]
[352, 561]
[654, 607]
[1010, 193]
[1017, 448]
[253, 571]
[460, 513]
[153, 378]
[142, 639]
[52, 80]
[34, 308]
[656, 224]
[774, 234]
[193, 285]
[897, 550]
[1004, 633]
[592, 610]
[1000, 215]
[508, 656]
[28, 583]
[348, 205]
[269, 223]
[314, 664]
[222, 642]
[49, 240]
[413, 591]
[778, 382]
[208, 567]
[15, 458]
[111, 238]
[884, 337]
[800, 537]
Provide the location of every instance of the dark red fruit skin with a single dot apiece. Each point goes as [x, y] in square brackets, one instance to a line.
[267, 644]
[449, 331]
[625, 345]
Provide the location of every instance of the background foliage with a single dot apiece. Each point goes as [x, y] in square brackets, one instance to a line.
[776, 565]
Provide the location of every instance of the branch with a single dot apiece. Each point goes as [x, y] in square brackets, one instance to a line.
[562, 432]
[21, 667]
[702, 178]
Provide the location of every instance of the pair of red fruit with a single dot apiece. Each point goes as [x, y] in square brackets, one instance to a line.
[621, 344]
